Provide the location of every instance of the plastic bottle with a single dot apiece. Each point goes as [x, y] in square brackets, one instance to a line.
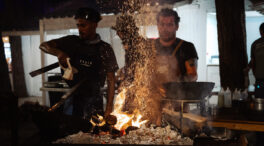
[220, 98]
[227, 98]
[236, 95]
[244, 94]
[236, 98]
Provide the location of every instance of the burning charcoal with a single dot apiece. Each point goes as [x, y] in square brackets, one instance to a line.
[141, 136]
[96, 130]
[95, 119]
[115, 132]
[130, 128]
[111, 120]
[105, 128]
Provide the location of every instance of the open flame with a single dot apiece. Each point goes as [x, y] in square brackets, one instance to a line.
[124, 119]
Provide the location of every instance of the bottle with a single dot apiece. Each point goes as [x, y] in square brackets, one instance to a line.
[236, 98]
[227, 98]
[220, 98]
[244, 94]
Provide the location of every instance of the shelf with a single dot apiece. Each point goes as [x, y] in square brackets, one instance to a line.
[55, 89]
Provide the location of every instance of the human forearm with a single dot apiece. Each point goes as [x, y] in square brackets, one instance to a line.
[51, 48]
[191, 69]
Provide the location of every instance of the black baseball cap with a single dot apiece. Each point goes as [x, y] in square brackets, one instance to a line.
[88, 14]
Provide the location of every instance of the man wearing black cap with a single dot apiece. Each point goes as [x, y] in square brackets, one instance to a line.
[86, 57]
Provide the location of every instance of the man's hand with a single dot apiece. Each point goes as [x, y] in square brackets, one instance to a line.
[62, 57]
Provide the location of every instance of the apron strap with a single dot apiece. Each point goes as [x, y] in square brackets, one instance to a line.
[177, 48]
[153, 44]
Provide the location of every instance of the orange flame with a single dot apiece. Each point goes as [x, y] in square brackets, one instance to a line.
[125, 120]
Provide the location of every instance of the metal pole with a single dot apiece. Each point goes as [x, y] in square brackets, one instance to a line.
[181, 117]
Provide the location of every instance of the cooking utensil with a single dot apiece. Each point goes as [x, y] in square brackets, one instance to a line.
[44, 69]
[66, 95]
[255, 109]
[188, 90]
[257, 104]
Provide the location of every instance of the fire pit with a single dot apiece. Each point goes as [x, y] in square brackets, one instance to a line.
[151, 136]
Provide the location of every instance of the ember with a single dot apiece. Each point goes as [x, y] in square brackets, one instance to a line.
[125, 120]
[142, 135]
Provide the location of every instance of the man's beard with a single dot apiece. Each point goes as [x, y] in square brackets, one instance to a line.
[84, 36]
[168, 38]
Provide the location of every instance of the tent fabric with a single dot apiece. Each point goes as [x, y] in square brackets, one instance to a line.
[22, 15]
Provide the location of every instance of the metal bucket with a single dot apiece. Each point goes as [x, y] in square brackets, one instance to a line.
[257, 104]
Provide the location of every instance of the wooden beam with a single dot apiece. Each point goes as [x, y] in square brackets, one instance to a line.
[18, 74]
[55, 89]
[190, 116]
[42, 59]
[69, 23]
[238, 125]
[19, 33]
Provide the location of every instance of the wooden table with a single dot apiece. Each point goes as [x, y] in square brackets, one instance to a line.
[237, 125]
[230, 121]
[238, 118]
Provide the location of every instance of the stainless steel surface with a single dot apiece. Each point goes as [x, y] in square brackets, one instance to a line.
[188, 90]
[258, 104]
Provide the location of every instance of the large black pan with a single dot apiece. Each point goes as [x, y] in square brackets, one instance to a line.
[188, 90]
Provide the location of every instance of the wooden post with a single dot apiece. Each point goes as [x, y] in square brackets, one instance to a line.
[19, 82]
[42, 57]
[231, 42]
[4, 75]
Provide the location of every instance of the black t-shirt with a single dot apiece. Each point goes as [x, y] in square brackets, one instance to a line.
[184, 53]
[92, 59]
